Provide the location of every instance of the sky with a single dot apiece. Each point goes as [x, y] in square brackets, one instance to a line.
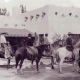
[33, 4]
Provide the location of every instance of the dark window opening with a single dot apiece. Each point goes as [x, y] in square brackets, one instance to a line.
[70, 14]
[56, 13]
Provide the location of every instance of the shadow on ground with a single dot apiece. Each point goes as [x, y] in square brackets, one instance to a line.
[64, 78]
[5, 66]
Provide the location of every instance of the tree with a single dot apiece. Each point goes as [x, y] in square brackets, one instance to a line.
[23, 9]
[3, 11]
[8, 14]
[56, 37]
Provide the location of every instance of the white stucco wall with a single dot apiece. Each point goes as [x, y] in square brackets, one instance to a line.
[50, 23]
[40, 25]
[60, 25]
[10, 21]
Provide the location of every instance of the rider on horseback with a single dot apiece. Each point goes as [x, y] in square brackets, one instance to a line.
[30, 48]
[69, 45]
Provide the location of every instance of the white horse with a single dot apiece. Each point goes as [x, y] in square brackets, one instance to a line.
[61, 53]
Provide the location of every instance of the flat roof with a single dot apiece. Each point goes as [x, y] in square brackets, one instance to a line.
[15, 32]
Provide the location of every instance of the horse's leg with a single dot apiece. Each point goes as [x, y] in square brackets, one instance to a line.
[17, 61]
[37, 67]
[52, 62]
[21, 62]
[8, 64]
[32, 64]
[73, 66]
[60, 64]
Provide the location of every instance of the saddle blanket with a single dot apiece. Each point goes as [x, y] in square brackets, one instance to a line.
[69, 48]
[32, 50]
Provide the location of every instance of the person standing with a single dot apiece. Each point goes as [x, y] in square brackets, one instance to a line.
[41, 39]
[2, 39]
[36, 41]
[46, 41]
[46, 44]
[4, 43]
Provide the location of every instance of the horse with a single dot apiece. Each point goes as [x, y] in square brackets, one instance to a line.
[61, 53]
[22, 53]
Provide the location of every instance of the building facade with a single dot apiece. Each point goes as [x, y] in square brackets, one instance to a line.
[48, 19]
[53, 19]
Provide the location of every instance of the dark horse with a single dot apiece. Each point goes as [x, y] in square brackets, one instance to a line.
[22, 54]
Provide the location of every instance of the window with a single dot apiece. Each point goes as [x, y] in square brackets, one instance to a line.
[43, 14]
[26, 19]
[70, 14]
[76, 16]
[37, 16]
[31, 17]
[6, 25]
[56, 13]
[23, 24]
[62, 15]
[16, 25]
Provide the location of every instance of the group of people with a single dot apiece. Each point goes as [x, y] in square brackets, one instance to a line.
[30, 43]
[39, 40]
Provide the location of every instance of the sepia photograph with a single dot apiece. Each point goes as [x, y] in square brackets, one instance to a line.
[39, 39]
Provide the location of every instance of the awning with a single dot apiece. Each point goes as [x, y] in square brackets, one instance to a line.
[15, 32]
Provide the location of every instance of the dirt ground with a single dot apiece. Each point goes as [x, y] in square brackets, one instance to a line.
[46, 73]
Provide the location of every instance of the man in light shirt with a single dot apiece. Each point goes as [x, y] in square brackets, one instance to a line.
[46, 41]
[2, 39]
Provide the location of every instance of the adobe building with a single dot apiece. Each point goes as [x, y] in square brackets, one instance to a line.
[52, 19]
[48, 19]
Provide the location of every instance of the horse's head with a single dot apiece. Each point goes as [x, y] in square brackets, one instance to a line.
[43, 48]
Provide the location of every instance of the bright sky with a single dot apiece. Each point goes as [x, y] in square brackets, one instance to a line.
[33, 4]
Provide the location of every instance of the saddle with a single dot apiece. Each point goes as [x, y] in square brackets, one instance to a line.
[69, 48]
[32, 50]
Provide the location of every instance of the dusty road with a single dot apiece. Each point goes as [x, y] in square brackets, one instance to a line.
[46, 73]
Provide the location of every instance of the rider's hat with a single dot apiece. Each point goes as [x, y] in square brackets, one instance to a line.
[46, 34]
[4, 33]
[29, 35]
[69, 33]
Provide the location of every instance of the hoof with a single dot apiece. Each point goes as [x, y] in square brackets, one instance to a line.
[21, 73]
[72, 71]
[52, 67]
[16, 73]
[60, 72]
[41, 63]
[32, 67]
[37, 72]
